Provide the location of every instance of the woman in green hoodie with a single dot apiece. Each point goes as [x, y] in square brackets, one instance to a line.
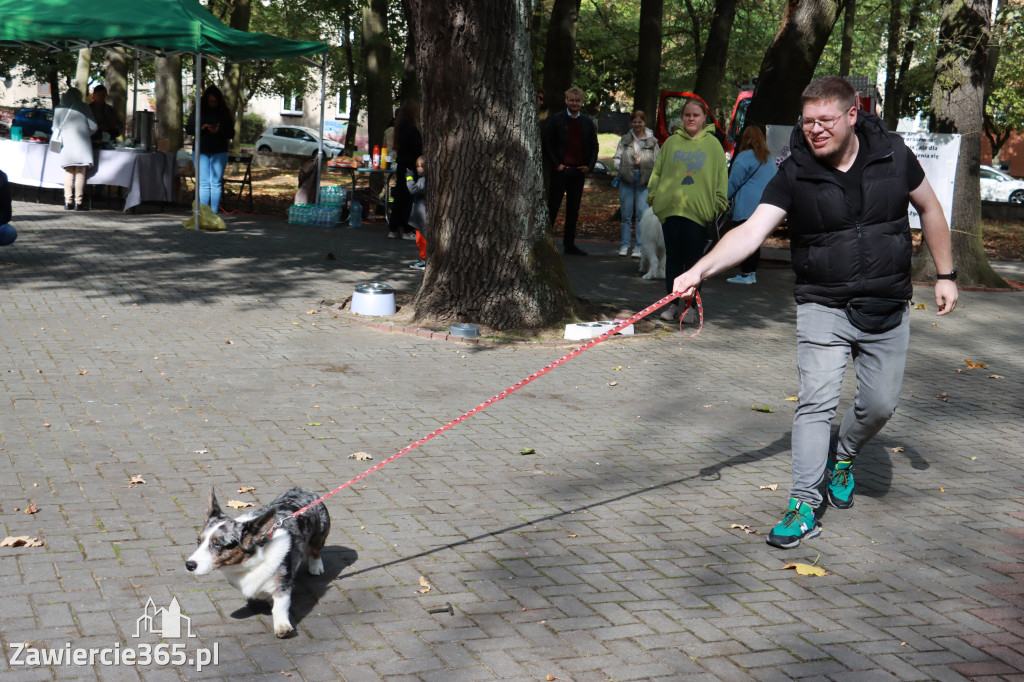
[687, 190]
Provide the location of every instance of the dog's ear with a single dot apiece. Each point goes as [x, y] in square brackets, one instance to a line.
[256, 529]
[212, 507]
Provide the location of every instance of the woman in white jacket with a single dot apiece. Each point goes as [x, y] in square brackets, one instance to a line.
[634, 159]
[73, 125]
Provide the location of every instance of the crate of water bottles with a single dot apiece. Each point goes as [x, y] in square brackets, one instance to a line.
[332, 195]
[311, 214]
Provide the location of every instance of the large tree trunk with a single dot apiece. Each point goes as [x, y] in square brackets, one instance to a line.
[377, 52]
[560, 53]
[490, 259]
[789, 63]
[891, 110]
[849, 24]
[115, 71]
[233, 84]
[169, 122]
[957, 99]
[82, 72]
[648, 58]
[711, 72]
[913, 21]
[409, 87]
[355, 90]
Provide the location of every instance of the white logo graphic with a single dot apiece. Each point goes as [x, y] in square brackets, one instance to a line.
[170, 621]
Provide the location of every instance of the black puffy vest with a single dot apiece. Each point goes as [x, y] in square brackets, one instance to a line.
[837, 255]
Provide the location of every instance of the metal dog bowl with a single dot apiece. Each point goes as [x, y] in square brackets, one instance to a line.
[374, 299]
[464, 331]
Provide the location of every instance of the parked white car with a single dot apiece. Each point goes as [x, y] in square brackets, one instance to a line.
[295, 140]
[999, 186]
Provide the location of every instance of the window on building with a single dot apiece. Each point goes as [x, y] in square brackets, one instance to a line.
[291, 105]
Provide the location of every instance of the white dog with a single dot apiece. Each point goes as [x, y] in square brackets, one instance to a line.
[652, 244]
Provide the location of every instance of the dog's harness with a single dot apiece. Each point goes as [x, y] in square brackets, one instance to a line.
[515, 387]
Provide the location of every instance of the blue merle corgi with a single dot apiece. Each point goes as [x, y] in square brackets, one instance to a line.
[263, 565]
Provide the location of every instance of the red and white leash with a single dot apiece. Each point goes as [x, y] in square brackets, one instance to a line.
[518, 385]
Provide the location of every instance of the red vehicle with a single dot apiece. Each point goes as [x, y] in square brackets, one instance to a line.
[670, 114]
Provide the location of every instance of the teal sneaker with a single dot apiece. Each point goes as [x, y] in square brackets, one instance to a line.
[797, 524]
[840, 485]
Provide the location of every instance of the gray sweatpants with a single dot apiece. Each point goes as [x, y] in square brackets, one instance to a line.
[825, 341]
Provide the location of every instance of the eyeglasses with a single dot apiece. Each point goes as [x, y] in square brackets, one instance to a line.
[827, 123]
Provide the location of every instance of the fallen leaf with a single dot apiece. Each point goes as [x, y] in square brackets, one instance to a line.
[935, 324]
[246, 489]
[975, 365]
[973, 458]
[920, 306]
[361, 456]
[942, 396]
[961, 371]
[941, 489]
[46, 425]
[791, 398]
[613, 383]
[745, 528]
[31, 508]
[314, 424]
[424, 585]
[83, 372]
[773, 486]
[573, 535]
[996, 376]
[20, 541]
[762, 408]
[617, 368]
[137, 480]
[200, 452]
[707, 405]
[898, 448]
[238, 504]
[527, 451]
[229, 342]
[312, 312]
[807, 569]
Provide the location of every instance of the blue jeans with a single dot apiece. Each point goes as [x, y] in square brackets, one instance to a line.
[631, 197]
[211, 170]
[825, 341]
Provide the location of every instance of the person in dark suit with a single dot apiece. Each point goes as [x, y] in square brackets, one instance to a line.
[570, 146]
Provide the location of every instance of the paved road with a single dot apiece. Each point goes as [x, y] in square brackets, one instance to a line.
[137, 349]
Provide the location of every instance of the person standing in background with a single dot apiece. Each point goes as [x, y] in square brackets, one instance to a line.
[752, 169]
[634, 159]
[73, 126]
[217, 127]
[570, 146]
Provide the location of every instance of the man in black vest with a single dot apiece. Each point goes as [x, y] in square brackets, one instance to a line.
[845, 190]
[570, 146]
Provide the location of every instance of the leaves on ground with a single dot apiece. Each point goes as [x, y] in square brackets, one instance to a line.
[942, 396]
[745, 528]
[791, 398]
[32, 508]
[361, 456]
[806, 569]
[898, 448]
[762, 408]
[83, 372]
[204, 451]
[975, 365]
[527, 451]
[314, 423]
[246, 489]
[238, 504]
[424, 586]
[773, 486]
[613, 383]
[229, 342]
[995, 376]
[920, 306]
[20, 541]
[136, 480]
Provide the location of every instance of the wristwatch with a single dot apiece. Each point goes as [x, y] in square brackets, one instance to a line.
[951, 276]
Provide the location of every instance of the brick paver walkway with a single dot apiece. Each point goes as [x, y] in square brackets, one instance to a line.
[137, 349]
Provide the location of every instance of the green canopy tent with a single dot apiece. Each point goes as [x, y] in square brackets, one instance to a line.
[156, 27]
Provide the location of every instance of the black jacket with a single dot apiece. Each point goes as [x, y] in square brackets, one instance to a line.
[557, 130]
[838, 255]
[212, 143]
[5, 199]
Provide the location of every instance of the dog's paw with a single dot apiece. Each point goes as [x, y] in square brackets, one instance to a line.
[649, 275]
[283, 629]
[316, 566]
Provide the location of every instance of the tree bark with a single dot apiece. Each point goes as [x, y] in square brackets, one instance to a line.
[82, 72]
[789, 63]
[913, 21]
[377, 79]
[711, 72]
[648, 58]
[891, 110]
[490, 259]
[409, 87]
[560, 53]
[355, 90]
[115, 72]
[233, 83]
[957, 104]
[169, 123]
[849, 25]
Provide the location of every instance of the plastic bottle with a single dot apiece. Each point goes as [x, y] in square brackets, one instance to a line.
[376, 156]
[355, 216]
[384, 157]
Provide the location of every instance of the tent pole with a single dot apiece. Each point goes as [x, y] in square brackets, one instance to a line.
[195, 144]
[323, 100]
[136, 133]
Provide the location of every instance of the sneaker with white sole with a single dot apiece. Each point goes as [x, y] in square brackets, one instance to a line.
[623, 250]
[418, 265]
[840, 485]
[670, 313]
[798, 523]
[638, 252]
[744, 278]
[409, 236]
